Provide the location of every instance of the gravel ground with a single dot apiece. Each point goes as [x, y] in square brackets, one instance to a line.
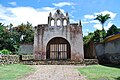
[55, 72]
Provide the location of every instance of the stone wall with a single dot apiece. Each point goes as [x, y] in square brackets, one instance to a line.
[61, 62]
[25, 49]
[89, 50]
[9, 59]
[109, 52]
[90, 61]
[12, 59]
[27, 57]
[44, 34]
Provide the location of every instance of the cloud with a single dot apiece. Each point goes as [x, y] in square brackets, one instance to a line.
[18, 15]
[84, 22]
[94, 21]
[96, 24]
[85, 32]
[89, 16]
[46, 9]
[61, 4]
[99, 26]
[112, 15]
[12, 3]
[73, 21]
[108, 25]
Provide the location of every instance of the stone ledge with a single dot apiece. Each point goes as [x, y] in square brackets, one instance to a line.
[90, 61]
[52, 62]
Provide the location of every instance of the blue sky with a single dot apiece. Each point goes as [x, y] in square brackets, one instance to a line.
[36, 12]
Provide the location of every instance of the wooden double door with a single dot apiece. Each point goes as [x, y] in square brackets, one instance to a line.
[58, 49]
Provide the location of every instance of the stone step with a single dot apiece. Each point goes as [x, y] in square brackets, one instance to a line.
[60, 62]
[52, 63]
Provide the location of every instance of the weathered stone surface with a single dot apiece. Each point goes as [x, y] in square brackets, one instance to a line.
[9, 59]
[90, 61]
[110, 58]
[109, 52]
[72, 33]
[53, 62]
[27, 57]
[25, 49]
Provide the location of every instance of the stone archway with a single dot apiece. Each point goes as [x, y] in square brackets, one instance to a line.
[58, 48]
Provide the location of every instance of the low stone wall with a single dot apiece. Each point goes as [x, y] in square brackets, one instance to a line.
[90, 61]
[27, 57]
[9, 59]
[12, 59]
[109, 58]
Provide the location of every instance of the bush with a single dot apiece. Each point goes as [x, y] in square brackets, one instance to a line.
[5, 51]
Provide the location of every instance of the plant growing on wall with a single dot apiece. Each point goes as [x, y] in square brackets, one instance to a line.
[5, 51]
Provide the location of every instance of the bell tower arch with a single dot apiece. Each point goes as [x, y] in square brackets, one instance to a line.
[59, 19]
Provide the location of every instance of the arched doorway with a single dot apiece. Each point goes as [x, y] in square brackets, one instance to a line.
[58, 49]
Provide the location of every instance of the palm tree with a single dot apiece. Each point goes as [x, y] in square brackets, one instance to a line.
[102, 19]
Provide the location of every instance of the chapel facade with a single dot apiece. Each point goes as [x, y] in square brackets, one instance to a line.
[59, 39]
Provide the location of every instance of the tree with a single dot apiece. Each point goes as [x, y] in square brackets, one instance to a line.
[97, 36]
[24, 33]
[5, 38]
[112, 30]
[102, 19]
[86, 39]
[11, 37]
[29, 35]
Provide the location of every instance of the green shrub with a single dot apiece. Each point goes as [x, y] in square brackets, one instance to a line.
[5, 51]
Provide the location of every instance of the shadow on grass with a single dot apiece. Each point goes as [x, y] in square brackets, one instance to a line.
[112, 65]
[117, 78]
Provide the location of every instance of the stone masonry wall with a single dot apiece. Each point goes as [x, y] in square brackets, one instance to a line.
[9, 59]
[26, 49]
[72, 33]
[109, 52]
[28, 59]
[13, 59]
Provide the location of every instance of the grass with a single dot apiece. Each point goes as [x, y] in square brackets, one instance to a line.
[99, 72]
[14, 71]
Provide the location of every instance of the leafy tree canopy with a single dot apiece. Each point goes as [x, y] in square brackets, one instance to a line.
[11, 37]
[102, 18]
[112, 30]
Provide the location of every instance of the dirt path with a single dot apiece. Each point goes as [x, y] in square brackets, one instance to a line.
[55, 72]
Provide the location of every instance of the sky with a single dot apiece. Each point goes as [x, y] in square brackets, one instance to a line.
[37, 11]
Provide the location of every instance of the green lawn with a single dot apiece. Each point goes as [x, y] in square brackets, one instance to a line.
[14, 71]
[99, 72]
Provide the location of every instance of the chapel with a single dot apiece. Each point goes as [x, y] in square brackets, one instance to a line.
[59, 39]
